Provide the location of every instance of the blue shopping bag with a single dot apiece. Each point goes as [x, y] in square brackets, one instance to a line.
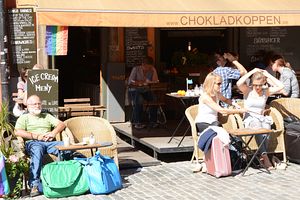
[4, 184]
[103, 174]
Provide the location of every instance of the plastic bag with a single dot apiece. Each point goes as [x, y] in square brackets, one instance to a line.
[17, 110]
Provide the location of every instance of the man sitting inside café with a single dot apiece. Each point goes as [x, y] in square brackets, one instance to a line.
[140, 77]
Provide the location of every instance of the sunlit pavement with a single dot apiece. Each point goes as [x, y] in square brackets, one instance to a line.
[176, 181]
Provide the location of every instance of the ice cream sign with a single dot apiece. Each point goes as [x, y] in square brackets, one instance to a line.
[44, 83]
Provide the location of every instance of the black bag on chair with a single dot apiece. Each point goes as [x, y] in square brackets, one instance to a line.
[238, 160]
[292, 138]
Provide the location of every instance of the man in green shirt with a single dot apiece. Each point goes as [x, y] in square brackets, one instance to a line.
[38, 130]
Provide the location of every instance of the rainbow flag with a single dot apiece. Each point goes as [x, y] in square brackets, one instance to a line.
[4, 185]
[57, 40]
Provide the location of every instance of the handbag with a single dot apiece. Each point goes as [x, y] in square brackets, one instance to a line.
[4, 184]
[63, 179]
[102, 173]
[18, 110]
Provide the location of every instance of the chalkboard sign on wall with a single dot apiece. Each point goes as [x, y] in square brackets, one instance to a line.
[22, 38]
[135, 46]
[256, 42]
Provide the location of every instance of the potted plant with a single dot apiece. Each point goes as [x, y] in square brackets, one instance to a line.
[16, 163]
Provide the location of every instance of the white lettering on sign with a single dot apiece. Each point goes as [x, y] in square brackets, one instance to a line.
[49, 77]
[43, 76]
[43, 88]
[34, 79]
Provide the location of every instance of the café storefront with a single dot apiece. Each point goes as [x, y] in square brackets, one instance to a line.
[157, 17]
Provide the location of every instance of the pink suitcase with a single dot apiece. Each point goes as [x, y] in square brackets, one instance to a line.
[217, 159]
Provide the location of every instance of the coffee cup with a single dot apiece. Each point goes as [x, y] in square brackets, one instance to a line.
[86, 140]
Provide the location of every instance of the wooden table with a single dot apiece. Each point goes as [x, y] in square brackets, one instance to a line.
[82, 110]
[79, 147]
[186, 102]
[251, 132]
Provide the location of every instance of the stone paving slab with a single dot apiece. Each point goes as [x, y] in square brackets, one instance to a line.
[175, 180]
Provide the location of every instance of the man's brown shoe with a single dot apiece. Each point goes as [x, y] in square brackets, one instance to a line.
[34, 191]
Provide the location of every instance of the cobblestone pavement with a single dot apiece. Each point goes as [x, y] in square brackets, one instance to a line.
[176, 181]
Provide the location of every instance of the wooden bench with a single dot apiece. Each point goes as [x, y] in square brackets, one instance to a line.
[77, 102]
[80, 107]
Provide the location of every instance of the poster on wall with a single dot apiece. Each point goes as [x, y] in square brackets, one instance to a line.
[136, 44]
[22, 42]
[256, 44]
[44, 83]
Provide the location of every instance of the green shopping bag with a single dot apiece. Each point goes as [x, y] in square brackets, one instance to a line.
[63, 179]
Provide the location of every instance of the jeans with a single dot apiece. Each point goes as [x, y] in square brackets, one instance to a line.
[137, 97]
[36, 151]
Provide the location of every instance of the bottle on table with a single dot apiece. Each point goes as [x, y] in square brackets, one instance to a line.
[92, 138]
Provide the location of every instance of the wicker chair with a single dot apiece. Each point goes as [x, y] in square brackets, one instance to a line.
[228, 122]
[276, 142]
[103, 131]
[287, 106]
[191, 113]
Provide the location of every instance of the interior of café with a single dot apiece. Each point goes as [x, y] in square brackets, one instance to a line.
[179, 53]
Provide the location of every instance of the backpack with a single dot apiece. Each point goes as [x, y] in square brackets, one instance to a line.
[292, 138]
[238, 158]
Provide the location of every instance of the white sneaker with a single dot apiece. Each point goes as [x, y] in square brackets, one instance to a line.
[204, 169]
[197, 168]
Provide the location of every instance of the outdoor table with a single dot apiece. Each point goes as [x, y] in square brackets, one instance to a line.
[69, 111]
[186, 101]
[251, 132]
[79, 146]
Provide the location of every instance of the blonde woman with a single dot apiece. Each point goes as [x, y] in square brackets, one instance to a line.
[255, 98]
[209, 107]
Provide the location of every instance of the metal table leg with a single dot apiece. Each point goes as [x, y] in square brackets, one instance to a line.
[173, 134]
[184, 135]
[254, 155]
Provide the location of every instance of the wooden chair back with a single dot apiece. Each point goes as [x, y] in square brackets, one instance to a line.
[77, 102]
[76, 107]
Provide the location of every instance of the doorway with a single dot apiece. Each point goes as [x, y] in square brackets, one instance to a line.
[79, 70]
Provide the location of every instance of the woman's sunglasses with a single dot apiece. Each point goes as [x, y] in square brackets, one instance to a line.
[257, 85]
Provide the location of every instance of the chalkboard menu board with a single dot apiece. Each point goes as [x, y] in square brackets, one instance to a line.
[135, 46]
[256, 43]
[22, 38]
[44, 83]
